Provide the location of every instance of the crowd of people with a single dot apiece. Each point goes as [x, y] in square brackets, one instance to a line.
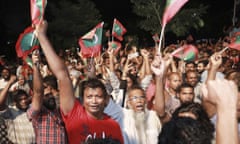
[137, 95]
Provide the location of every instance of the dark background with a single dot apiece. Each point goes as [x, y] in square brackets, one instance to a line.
[15, 17]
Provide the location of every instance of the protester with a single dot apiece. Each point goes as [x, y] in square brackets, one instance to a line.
[19, 128]
[43, 112]
[80, 120]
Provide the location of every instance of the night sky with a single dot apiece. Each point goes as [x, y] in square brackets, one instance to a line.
[15, 16]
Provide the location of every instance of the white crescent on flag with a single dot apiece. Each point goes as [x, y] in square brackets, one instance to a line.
[95, 39]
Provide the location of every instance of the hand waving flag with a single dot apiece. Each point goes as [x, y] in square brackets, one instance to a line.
[172, 7]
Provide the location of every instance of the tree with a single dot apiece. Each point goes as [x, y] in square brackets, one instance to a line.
[151, 12]
[69, 20]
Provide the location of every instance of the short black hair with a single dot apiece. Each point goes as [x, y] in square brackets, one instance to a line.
[186, 130]
[51, 81]
[16, 94]
[184, 85]
[94, 83]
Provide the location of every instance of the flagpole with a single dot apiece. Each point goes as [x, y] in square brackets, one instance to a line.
[160, 40]
[223, 50]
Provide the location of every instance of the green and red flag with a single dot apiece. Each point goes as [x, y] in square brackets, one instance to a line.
[28, 61]
[37, 10]
[235, 42]
[118, 30]
[91, 42]
[116, 46]
[186, 52]
[24, 45]
[172, 7]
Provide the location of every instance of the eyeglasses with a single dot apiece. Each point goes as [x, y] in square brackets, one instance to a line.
[135, 98]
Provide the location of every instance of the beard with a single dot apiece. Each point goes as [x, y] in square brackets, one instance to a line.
[50, 103]
[140, 123]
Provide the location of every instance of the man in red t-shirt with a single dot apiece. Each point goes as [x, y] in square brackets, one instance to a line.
[81, 121]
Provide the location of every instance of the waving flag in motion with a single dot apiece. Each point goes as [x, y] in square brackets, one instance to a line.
[23, 45]
[235, 42]
[172, 7]
[91, 42]
[186, 52]
[37, 10]
[118, 30]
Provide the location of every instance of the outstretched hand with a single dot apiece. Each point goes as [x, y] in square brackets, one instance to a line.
[220, 92]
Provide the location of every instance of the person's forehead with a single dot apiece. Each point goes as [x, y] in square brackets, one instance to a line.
[191, 74]
[136, 92]
[186, 89]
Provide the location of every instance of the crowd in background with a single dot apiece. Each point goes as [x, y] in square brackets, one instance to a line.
[148, 94]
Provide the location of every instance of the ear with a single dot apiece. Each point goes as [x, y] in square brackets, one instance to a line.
[129, 104]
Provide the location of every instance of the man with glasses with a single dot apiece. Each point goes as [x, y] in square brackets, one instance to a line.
[140, 125]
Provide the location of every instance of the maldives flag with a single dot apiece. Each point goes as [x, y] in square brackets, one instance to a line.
[235, 42]
[28, 61]
[37, 10]
[172, 7]
[24, 45]
[91, 42]
[116, 46]
[186, 52]
[118, 30]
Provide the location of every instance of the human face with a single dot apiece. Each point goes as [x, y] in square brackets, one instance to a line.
[21, 80]
[189, 66]
[200, 67]
[186, 95]
[22, 102]
[191, 78]
[136, 100]
[5, 74]
[94, 102]
[174, 81]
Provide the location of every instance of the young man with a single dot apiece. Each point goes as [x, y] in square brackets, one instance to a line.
[85, 120]
[43, 112]
[20, 129]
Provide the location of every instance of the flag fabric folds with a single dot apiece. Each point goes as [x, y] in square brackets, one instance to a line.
[37, 10]
[24, 43]
[118, 30]
[172, 7]
[235, 41]
[186, 52]
[91, 42]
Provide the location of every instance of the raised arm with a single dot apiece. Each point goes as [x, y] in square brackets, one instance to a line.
[215, 62]
[37, 82]
[58, 68]
[4, 92]
[224, 94]
[159, 68]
